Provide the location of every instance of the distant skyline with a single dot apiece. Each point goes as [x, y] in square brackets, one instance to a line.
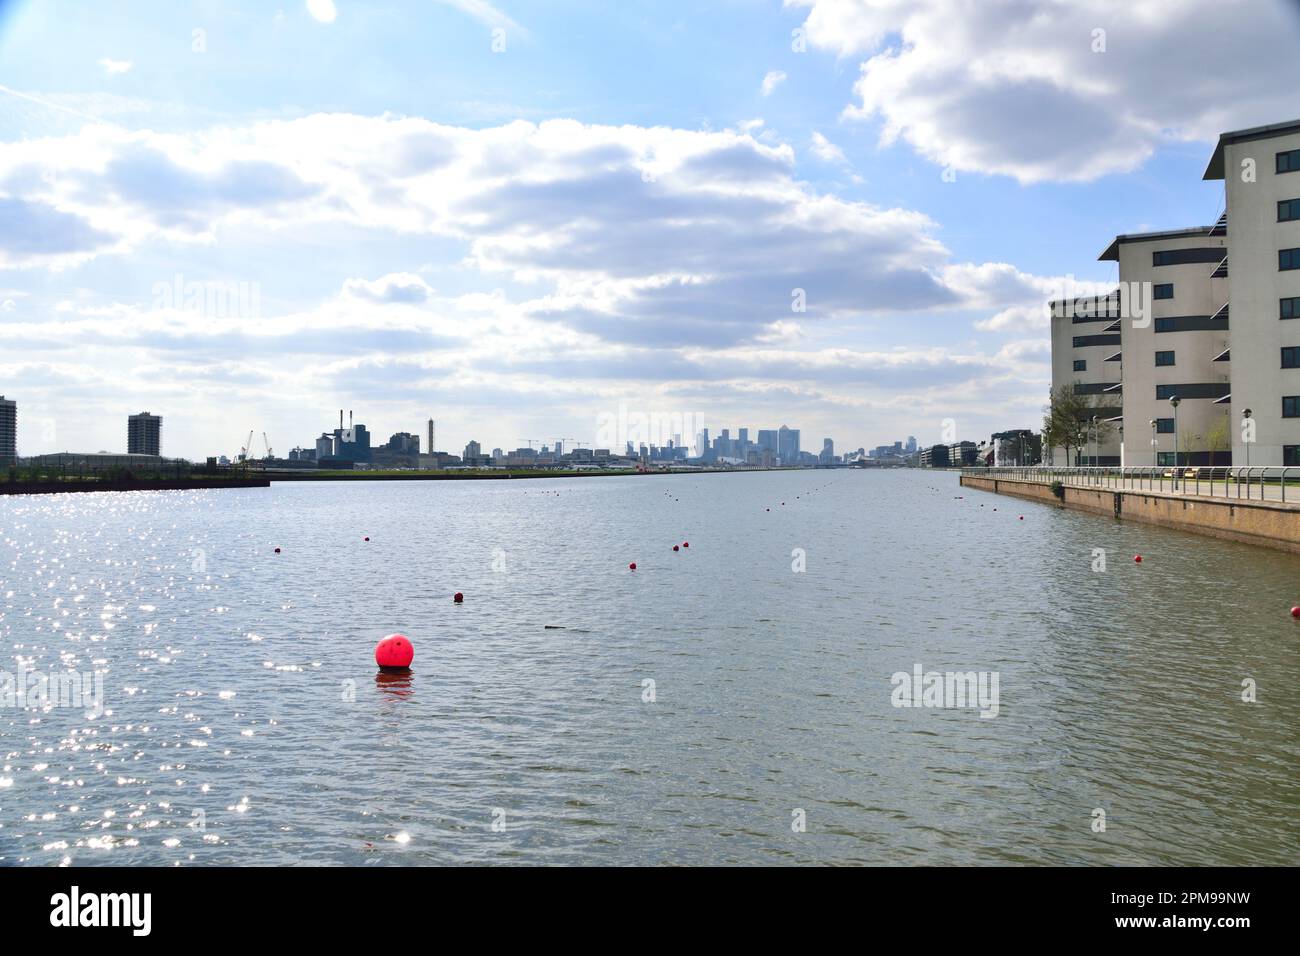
[518, 217]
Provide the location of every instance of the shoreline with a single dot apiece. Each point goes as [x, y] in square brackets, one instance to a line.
[168, 484]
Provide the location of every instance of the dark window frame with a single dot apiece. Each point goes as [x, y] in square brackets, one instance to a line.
[1164, 426]
[1170, 363]
[1081, 365]
[1288, 210]
[1293, 353]
[1288, 259]
[1291, 454]
[1287, 161]
[1291, 300]
[1292, 402]
[1161, 287]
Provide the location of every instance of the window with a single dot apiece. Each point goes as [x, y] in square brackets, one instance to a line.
[1289, 308]
[1163, 290]
[1182, 257]
[1192, 390]
[1288, 259]
[1288, 162]
[1191, 323]
[1081, 365]
[1164, 358]
[1288, 210]
[1082, 341]
[1164, 426]
[1291, 406]
[1291, 454]
[1165, 458]
[1291, 356]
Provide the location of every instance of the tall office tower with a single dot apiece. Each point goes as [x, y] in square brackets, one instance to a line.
[911, 444]
[8, 432]
[768, 439]
[828, 449]
[432, 446]
[144, 434]
[704, 441]
[1260, 169]
[788, 444]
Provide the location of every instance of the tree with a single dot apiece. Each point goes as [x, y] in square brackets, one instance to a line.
[1216, 439]
[1067, 421]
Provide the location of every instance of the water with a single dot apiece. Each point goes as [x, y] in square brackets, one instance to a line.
[230, 738]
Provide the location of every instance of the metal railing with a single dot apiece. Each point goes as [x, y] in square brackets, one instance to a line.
[1246, 483]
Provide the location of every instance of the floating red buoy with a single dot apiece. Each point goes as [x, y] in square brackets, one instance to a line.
[632, 566]
[458, 598]
[367, 538]
[1295, 612]
[686, 544]
[394, 652]
[277, 550]
[1022, 517]
[676, 548]
[1137, 558]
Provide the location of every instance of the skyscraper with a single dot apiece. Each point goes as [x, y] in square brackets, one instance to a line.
[144, 434]
[788, 444]
[8, 432]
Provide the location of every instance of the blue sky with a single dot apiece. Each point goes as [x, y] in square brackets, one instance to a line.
[612, 208]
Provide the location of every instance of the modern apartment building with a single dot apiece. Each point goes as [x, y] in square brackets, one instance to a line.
[1191, 306]
[1086, 351]
[1174, 336]
[8, 432]
[144, 434]
[1260, 169]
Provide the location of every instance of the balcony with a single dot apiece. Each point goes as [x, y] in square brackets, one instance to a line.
[1222, 271]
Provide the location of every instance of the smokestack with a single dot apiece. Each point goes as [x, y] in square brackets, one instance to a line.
[340, 419]
[349, 419]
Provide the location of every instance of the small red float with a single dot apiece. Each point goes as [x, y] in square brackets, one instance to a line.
[632, 566]
[1295, 612]
[676, 548]
[1137, 559]
[394, 653]
[277, 550]
[458, 598]
[686, 544]
[367, 538]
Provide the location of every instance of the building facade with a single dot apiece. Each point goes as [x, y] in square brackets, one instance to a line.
[8, 432]
[1260, 170]
[144, 434]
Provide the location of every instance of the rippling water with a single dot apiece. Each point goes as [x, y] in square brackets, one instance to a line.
[244, 722]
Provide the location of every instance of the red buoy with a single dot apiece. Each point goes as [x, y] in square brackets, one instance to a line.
[1295, 612]
[1022, 517]
[458, 598]
[394, 652]
[632, 566]
[1137, 558]
[676, 548]
[367, 538]
[686, 544]
[277, 550]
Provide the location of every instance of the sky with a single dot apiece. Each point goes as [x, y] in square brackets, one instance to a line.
[527, 219]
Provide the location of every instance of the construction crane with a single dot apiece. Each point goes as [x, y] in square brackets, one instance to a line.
[529, 440]
[247, 449]
[267, 445]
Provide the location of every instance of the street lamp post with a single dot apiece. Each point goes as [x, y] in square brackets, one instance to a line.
[1175, 401]
[1093, 432]
[1245, 434]
[1155, 445]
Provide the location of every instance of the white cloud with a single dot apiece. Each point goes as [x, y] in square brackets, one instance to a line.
[772, 80]
[487, 14]
[1023, 89]
[323, 11]
[825, 150]
[115, 67]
